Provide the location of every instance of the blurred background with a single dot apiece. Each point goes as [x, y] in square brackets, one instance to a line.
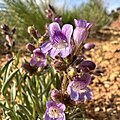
[105, 33]
[23, 13]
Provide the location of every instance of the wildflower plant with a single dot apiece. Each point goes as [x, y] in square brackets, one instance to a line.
[53, 84]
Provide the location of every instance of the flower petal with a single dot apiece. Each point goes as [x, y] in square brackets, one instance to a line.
[89, 94]
[53, 52]
[41, 63]
[65, 52]
[50, 103]
[89, 25]
[46, 47]
[63, 118]
[67, 30]
[33, 61]
[46, 117]
[81, 97]
[53, 28]
[61, 106]
[87, 64]
[79, 35]
[74, 95]
[85, 79]
[80, 23]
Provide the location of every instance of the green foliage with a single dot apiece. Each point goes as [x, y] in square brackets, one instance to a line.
[25, 96]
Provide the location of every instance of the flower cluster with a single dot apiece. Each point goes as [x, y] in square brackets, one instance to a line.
[65, 51]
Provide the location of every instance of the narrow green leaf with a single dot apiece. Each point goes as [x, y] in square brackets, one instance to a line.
[3, 106]
[17, 57]
[7, 71]
[26, 101]
[13, 91]
[5, 66]
[25, 111]
[8, 80]
[22, 117]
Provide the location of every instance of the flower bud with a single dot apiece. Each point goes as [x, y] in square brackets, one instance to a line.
[8, 57]
[58, 20]
[28, 68]
[87, 66]
[55, 95]
[13, 30]
[30, 47]
[32, 31]
[48, 13]
[89, 46]
[57, 64]
[5, 27]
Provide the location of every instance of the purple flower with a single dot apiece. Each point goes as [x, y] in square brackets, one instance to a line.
[59, 42]
[54, 111]
[81, 31]
[39, 58]
[78, 89]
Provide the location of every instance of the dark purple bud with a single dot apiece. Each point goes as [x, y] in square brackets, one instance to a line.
[78, 60]
[48, 14]
[58, 64]
[51, 8]
[58, 20]
[87, 65]
[89, 46]
[8, 57]
[13, 44]
[30, 47]
[5, 27]
[55, 95]
[13, 30]
[32, 31]
[28, 68]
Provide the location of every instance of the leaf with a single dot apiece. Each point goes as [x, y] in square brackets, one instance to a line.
[13, 91]
[6, 65]
[2, 106]
[21, 115]
[8, 80]
[57, 82]
[17, 57]
[25, 111]
[27, 102]
[5, 69]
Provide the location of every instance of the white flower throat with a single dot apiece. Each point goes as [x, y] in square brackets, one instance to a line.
[54, 112]
[60, 44]
[77, 87]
